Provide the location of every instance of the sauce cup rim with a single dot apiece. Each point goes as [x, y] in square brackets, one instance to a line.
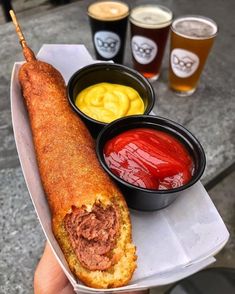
[106, 66]
[115, 123]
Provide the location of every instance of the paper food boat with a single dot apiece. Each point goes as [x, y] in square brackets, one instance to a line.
[172, 243]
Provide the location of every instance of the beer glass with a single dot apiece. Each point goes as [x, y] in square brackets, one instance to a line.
[150, 26]
[108, 20]
[191, 40]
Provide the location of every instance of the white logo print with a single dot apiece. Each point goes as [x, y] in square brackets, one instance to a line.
[107, 43]
[144, 49]
[184, 63]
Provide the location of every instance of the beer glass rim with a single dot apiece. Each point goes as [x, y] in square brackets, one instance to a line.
[159, 24]
[202, 18]
[108, 19]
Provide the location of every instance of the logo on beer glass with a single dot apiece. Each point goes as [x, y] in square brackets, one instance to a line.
[184, 63]
[107, 43]
[144, 49]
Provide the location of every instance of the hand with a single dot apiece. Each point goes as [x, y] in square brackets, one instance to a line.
[49, 278]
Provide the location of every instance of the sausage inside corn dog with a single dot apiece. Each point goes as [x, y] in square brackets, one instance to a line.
[90, 218]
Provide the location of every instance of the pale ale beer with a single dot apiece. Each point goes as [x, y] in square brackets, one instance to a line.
[108, 20]
[150, 26]
[191, 40]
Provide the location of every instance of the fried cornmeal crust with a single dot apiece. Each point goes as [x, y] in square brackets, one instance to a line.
[121, 272]
[70, 172]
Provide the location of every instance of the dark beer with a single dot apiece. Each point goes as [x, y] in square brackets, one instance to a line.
[108, 22]
[150, 25]
[191, 40]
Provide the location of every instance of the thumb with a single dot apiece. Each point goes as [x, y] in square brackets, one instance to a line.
[49, 277]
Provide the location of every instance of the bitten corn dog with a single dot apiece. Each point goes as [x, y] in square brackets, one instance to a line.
[90, 218]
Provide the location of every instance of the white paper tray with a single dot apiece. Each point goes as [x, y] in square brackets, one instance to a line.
[172, 243]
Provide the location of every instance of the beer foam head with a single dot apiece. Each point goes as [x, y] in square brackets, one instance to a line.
[151, 16]
[108, 10]
[195, 27]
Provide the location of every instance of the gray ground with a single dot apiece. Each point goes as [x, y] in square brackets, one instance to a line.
[29, 7]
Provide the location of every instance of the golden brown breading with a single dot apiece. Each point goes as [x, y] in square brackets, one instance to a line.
[70, 172]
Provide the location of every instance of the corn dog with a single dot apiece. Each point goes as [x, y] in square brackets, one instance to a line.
[90, 218]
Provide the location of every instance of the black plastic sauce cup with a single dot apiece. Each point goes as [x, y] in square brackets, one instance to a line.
[146, 199]
[109, 73]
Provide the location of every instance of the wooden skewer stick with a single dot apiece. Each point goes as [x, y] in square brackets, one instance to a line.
[28, 53]
[18, 29]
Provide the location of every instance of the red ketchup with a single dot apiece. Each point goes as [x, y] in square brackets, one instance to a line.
[149, 158]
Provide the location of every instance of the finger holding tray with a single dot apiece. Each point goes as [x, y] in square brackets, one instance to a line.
[170, 245]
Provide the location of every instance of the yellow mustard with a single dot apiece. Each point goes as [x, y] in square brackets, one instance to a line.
[106, 102]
